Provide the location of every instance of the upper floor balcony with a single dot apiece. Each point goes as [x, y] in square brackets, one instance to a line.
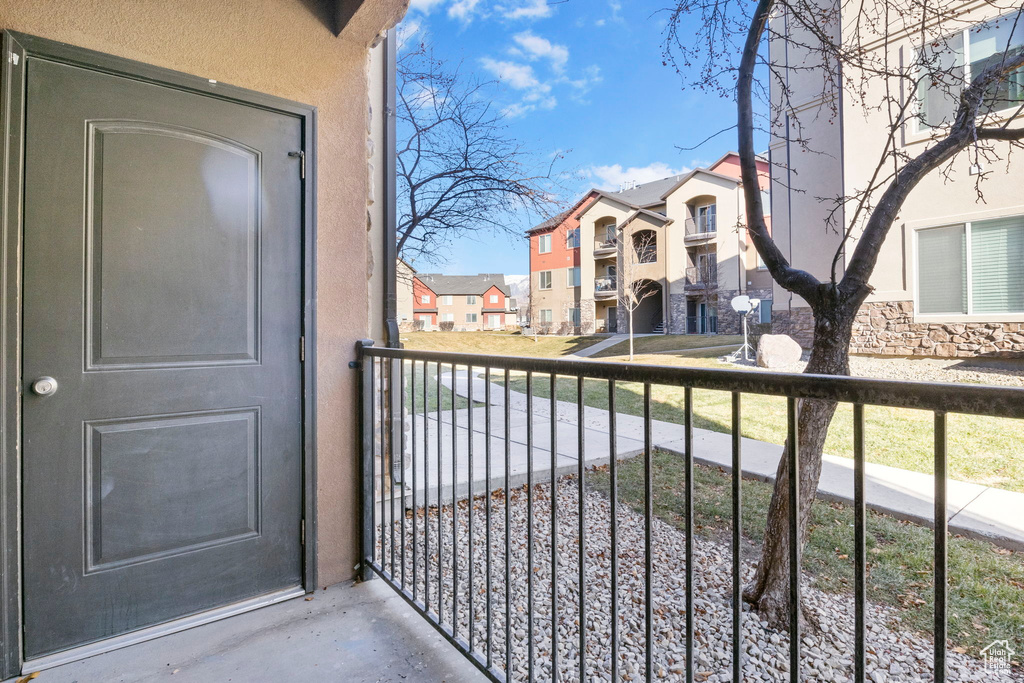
[605, 287]
[702, 277]
[606, 248]
[702, 227]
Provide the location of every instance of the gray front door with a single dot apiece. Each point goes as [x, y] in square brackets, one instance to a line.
[163, 294]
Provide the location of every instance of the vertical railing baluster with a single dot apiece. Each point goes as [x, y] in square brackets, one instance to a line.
[426, 497]
[859, 549]
[688, 465]
[369, 526]
[648, 539]
[391, 462]
[490, 491]
[941, 555]
[455, 502]
[469, 500]
[580, 492]
[440, 501]
[793, 450]
[529, 525]
[508, 528]
[554, 528]
[384, 445]
[401, 458]
[737, 528]
[613, 509]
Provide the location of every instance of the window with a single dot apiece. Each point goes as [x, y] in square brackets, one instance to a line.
[446, 300]
[471, 299]
[609, 232]
[447, 317]
[494, 298]
[572, 239]
[545, 279]
[974, 268]
[574, 316]
[760, 261]
[471, 317]
[425, 299]
[545, 315]
[765, 311]
[494, 321]
[707, 218]
[572, 277]
[946, 66]
[544, 244]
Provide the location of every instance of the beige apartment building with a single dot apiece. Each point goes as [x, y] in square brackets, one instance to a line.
[949, 280]
[692, 250]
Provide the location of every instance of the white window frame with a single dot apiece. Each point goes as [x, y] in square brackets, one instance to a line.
[920, 130]
[540, 244]
[569, 238]
[494, 298]
[970, 316]
[424, 298]
[568, 277]
[447, 317]
[472, 318]
[470, 299]
[541, 316]
[540, 280]
[446, 300]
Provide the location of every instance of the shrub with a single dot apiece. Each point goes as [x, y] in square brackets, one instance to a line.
[447, 325]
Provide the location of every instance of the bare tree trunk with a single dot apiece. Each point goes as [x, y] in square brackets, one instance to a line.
[631, 334]
[830, 355]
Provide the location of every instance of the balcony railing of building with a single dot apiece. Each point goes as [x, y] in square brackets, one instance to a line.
[701, 324]
[701, 277]
[701, 227]
[445, 514]
[605, 248]
[605, 287]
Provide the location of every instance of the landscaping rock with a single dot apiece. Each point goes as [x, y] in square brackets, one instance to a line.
[777, 351]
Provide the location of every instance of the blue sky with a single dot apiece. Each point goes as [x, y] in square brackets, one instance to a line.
[581, 75]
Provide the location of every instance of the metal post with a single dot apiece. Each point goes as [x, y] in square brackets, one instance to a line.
[367, 432]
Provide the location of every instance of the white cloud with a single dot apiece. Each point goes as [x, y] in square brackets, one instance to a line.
[612, 177]
[518, 76]
[463, 10]
[534, 47]
[424, 6]
[526, 9]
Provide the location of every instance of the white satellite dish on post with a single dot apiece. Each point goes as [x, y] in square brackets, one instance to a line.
[744, 305]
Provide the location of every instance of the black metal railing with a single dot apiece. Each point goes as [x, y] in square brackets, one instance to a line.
[701, 226]
[425, 499]
[701, 324]
[702, 277]
[605, 285]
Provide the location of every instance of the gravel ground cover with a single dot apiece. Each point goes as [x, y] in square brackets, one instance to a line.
[920, 370]
[893, 655]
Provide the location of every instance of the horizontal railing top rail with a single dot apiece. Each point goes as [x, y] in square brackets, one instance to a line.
[968, 399]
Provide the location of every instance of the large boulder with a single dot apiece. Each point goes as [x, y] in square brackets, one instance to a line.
[777, 351]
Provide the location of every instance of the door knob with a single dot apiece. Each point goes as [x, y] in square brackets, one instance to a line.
[44, 386]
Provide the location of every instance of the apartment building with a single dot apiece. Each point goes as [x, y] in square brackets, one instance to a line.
[404, 274]
[948, 281]
[555, 284]
[692, 255]
[469, 302]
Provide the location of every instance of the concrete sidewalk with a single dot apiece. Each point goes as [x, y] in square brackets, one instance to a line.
[601, 346]
[973, 510]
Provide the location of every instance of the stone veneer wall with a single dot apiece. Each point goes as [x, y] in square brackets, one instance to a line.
[798, 323]
[888, 328]
[677, 313]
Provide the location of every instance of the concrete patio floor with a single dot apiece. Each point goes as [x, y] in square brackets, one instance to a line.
[351, 633]
[973, 510]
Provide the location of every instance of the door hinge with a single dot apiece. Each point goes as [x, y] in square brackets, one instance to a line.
[302, 349]
[302, 530]
[302, 162]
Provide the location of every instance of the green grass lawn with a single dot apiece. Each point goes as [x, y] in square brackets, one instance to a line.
[986, 583]
[497, 343]
[983, 450]
[672, 342]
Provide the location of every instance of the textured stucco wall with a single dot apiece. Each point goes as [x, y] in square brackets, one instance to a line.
[284, 48]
